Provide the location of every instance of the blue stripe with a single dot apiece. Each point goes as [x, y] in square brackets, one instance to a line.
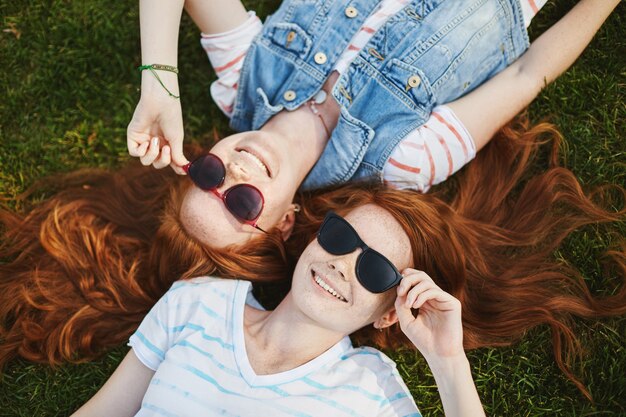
[319, 398]
[211, 380]
[187, 306]
[205, 336]
[362, 352]
[191, 397]
[353, 388]
[193, 326]
[393, 398]
[149, 345]
[208, 311]
[157, 410]
[221, 294]
[211, 357]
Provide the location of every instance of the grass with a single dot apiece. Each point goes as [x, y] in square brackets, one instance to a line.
[69, 86]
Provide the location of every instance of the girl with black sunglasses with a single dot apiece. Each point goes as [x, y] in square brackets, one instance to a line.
[394, 91]
[208, 347]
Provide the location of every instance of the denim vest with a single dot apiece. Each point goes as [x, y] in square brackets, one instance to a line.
[430, 52]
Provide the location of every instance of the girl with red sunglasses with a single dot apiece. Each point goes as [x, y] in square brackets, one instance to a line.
[343, 130]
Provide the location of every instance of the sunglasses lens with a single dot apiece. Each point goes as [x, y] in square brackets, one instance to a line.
[207, 172]
[375, 272]
[244, 201]
[336, 236]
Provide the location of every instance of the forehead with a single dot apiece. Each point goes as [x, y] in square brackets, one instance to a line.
[382, 232]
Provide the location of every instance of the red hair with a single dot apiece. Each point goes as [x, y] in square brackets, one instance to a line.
[85, 266]
[489, 238]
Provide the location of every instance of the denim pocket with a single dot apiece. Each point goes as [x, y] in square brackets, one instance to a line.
[290, 37]
[409, 84]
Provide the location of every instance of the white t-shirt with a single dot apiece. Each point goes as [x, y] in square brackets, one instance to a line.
[193, 338]
[426, 156]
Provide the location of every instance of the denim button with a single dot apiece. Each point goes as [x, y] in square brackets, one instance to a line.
[320, 58]
[351, 12]
[289, 95]
[414, 81]
[290, 37]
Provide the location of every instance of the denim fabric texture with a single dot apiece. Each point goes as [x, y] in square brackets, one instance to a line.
[430, 52]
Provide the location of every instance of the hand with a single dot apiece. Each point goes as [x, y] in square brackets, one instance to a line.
[437, 331]
[155, 133]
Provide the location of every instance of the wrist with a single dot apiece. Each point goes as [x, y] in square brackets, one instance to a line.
[447, 365]
[151, 87]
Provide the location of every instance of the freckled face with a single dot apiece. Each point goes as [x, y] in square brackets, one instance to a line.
[250, 158]
[351, 307]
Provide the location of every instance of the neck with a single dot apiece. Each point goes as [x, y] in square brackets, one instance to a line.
[286, 339]
[303, 135]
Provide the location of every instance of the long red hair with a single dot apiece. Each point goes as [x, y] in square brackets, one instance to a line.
[84, 266]
[489, 238]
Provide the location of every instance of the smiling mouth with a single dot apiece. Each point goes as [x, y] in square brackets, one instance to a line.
[256, 160]
[326, 287]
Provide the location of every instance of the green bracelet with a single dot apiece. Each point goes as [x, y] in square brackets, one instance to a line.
[153, 67]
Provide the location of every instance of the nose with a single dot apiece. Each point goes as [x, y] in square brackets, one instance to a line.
[345, 265]
[333, 266]
[237, 172]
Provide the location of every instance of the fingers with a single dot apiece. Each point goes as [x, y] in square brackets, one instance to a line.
[175, 134]
[418, 287]
[164, 158]
[432, 294]
[152, 153]
[178, 169]
[177, 153]
[404, 313]
[412, 277]
[137, 144]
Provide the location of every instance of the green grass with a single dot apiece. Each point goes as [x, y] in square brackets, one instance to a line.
[68, 87]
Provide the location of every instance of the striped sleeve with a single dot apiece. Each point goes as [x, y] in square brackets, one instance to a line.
[398, 400]
[158, 331]
[152, 339]
[226, 52]
[431, 153]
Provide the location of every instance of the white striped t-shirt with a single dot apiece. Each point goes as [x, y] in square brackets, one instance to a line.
[193, 338]
[426, 156]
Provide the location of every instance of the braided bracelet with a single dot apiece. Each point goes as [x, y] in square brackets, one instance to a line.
[154, 67]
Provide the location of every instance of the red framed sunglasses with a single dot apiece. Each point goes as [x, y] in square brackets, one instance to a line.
[244, 201]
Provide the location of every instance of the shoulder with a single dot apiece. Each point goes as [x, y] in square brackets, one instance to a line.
[377, 374]
[202, 287]
[369, 363]
[204, 292]
[368, 356]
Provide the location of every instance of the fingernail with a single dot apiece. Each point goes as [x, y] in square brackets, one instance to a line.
[155, 141]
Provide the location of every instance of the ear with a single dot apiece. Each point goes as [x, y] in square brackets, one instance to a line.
[286, 222]
[389, 318]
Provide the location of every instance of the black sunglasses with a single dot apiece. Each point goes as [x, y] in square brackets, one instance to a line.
[375, 272]
[244, 201]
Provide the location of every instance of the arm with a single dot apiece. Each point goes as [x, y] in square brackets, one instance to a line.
[437, 332]
[490, 106]
[121, 395]
[155, 133]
